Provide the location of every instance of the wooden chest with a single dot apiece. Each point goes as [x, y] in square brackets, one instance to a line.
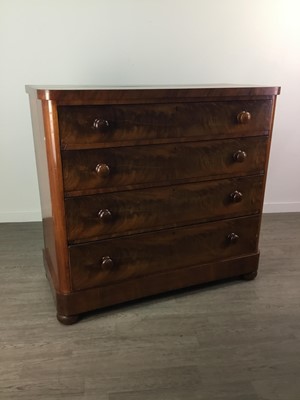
[147, 190]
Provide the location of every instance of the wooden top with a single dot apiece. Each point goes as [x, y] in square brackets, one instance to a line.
[126, 94]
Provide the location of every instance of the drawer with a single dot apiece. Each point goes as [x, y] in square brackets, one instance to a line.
[162, 164]
[113, 260]
[90, 125]
[93, 217]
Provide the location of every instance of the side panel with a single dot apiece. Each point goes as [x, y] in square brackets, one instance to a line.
[46, 142]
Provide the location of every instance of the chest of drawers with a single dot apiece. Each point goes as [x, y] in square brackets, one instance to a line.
[147, 190]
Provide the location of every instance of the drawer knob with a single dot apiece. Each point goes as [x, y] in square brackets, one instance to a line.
[100, 124]
[240, 156]
[236, 196]
[102, 170]
[243, 117]
[233, 237]
[105, 215]
[107, 262]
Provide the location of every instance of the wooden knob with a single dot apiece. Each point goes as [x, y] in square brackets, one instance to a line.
[236, 196]
[243, 117]
[240, 156]
[105, 215]
[100, 124]
[107, 263]
[233, 237]
[102, 170]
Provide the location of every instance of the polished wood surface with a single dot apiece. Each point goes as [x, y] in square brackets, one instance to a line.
[108, 124]
[150, 253]
[140, 179]
[48, 158]
[163, 163]
[64, 95]
[232, 340]
[112, 214]
[153, 284]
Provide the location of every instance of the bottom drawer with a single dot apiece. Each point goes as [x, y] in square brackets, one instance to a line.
[113, 260]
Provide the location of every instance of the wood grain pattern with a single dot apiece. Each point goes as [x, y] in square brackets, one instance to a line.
[149, 253]
[162, 171]
[156, 208]
[207, 120]
[169, 163]
[139, 287]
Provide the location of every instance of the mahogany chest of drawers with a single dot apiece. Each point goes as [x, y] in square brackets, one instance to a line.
[147, 190]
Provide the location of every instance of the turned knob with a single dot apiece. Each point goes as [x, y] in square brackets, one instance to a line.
[240, 156]
[107, 262]
[243, 117]
[100, 124]
[105, 215]
[102, 170]
[236, 196]
[233, 237]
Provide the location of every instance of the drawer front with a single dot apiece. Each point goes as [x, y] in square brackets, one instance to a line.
[86, 125]
[114, 260]
[164, 164]
[92, 217]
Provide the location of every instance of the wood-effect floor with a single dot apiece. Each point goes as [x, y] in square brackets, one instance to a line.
[232, 340]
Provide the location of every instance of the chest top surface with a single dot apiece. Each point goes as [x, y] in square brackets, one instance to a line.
[130, 94]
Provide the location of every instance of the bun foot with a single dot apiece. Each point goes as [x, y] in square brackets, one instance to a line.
[250, 276]
[67, 319]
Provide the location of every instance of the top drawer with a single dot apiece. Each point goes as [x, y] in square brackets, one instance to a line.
[89, 126]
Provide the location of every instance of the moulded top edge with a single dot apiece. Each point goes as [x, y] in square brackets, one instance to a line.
[102, 93]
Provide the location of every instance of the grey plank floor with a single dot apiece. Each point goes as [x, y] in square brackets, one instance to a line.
[233, 340]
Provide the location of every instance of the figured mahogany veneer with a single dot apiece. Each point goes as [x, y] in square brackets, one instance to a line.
[151, 165]
[144, 254]
[90, 125]
[146, 190]
[108, 214]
